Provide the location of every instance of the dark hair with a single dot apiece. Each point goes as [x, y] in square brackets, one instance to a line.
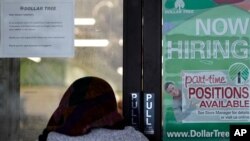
[88, 103]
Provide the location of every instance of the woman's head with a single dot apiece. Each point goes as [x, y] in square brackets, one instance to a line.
[88, 103]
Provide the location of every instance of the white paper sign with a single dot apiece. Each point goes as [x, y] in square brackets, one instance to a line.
[37, 28]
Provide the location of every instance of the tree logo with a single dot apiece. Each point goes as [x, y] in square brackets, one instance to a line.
[239, 73]
[179, 4]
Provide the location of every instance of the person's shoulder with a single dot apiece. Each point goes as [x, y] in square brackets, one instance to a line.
[129, 133]
[134, 134]
[54, 136]
[102, 134]
[130, 129]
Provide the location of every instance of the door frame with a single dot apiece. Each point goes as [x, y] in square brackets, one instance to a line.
[142, 60]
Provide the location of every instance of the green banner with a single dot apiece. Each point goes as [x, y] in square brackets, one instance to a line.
[206, 68]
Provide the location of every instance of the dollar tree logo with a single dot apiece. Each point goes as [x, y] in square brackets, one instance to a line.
[179, 4]
[239, 73]
[177, 7]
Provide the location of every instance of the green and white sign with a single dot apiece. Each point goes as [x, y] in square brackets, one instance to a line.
[206, 68]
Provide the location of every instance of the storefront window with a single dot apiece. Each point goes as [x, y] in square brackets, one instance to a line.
[98, 52]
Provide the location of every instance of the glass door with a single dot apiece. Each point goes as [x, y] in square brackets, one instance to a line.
[34, 86]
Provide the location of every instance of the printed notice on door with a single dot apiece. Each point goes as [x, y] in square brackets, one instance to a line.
[37, 28]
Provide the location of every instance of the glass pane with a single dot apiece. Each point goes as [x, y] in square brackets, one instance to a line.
[206, 66]
[98, 44]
